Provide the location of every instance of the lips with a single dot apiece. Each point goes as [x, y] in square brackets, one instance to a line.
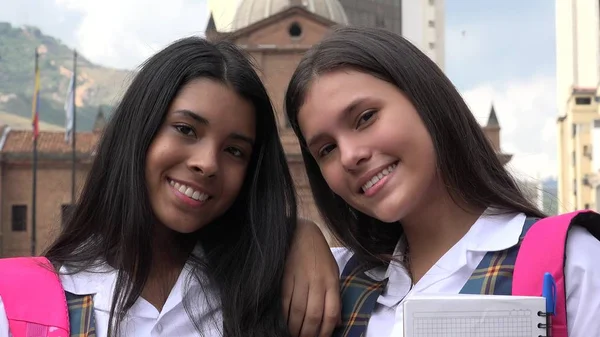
[378, 176]
[189, 191]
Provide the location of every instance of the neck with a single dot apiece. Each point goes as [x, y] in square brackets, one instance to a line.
[168, 259]
[433, 229]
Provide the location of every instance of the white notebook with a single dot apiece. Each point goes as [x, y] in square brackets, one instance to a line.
[474, 316]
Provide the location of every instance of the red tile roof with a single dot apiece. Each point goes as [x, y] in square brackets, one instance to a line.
[21, 141]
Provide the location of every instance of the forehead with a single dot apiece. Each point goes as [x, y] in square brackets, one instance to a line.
[218, 103]
[333, 93]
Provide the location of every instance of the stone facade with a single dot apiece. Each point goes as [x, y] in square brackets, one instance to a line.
[277, 49]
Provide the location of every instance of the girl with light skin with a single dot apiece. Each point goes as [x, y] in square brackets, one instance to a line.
[407, 181]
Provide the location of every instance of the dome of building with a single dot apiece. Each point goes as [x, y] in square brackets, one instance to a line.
[251, 11]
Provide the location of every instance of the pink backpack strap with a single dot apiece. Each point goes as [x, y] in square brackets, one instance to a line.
[33, 297]
[534, 260]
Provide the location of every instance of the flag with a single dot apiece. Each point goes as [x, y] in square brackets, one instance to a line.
[35, 114]
[69, 109]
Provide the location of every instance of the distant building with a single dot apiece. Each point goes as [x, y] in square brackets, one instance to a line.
[53, 184]
[550, 197]
[578, 124]
[420, 21]
[492, 131]
[542, 194]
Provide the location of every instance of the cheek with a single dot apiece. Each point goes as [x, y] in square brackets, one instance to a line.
[334, 178]
[233, 180]
[423, 144]
[408, 139]
[160, 158]
[151, 163]
[160, 150]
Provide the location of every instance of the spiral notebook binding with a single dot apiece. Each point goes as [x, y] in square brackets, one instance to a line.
[545, 326]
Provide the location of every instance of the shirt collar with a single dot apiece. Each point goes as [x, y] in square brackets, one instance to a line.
[100, 282]
[493, 231]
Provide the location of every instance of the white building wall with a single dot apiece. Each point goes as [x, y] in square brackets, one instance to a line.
[577, 48]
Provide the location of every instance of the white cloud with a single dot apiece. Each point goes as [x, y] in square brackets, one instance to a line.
[527, 113]
[123, 34]
[46, 15]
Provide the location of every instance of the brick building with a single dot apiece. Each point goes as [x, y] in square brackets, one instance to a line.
[276, 40]
[54, 176]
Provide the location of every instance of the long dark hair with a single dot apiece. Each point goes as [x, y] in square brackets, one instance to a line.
[244, 250]
[468, 165]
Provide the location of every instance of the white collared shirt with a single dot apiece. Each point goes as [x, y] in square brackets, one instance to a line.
[143, 319]
[451, 272]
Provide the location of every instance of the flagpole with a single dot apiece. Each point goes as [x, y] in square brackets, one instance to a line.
[35, 139]
[74, 129]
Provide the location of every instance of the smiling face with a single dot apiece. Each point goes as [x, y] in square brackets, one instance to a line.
[369, 142]
[196, 164]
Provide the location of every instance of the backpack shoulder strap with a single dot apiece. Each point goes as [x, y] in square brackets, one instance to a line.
[543, 250]
[33, 297]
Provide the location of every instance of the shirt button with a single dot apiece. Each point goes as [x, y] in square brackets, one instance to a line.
[159, 327]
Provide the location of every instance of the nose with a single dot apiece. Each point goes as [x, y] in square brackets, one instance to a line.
[203, 160]
[353, 155]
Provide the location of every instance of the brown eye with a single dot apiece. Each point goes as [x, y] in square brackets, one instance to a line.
[326, 149]
[365, 117]
[235, 152]
[185, 130]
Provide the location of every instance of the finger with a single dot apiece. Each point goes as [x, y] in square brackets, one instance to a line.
[314, 311]
[286, 295]
[297, 307]
[332, 315]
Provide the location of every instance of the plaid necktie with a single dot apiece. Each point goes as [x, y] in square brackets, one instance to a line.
[81, 315]
[359, 295]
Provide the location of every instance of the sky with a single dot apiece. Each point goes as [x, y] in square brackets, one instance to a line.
[494, 54]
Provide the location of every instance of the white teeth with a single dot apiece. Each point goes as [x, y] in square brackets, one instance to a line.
[378, 177]
[189, 192]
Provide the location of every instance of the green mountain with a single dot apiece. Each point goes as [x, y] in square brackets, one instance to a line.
[97, 86]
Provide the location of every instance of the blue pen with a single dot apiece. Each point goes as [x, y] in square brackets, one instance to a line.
[549, 293]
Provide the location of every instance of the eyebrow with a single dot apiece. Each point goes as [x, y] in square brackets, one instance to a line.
[243, 138]
[193, 116]
[347, 111]
[198, 118]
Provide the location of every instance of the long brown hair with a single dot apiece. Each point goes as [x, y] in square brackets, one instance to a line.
[244, 250]
[467, 163]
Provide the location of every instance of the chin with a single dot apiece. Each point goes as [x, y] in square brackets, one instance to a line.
[386, 217]
[388, 214]
[186, 230]
[183, 228]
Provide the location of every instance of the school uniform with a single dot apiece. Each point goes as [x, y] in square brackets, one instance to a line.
[481, 262]
[89, 298]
